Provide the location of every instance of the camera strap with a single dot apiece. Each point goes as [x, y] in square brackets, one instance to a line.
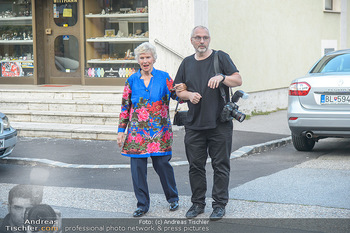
[217, 71]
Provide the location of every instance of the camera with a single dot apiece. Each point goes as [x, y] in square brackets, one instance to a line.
[230, 110]
[40, 216]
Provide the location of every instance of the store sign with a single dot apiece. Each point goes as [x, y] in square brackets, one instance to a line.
[112, 73]
[101, 73]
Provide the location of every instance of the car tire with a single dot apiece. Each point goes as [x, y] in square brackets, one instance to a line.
[302, 143]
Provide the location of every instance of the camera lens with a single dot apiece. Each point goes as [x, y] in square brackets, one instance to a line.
[239, 116]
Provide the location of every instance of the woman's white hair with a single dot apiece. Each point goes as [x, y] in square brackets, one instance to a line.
[145, 47]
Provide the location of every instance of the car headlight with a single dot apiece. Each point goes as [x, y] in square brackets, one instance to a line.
[6, 122]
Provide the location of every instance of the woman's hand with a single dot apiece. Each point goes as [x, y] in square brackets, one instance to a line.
[120, 139]
[180, 87]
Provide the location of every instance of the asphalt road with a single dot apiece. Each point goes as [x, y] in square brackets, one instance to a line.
[107, 152]
[243, 169]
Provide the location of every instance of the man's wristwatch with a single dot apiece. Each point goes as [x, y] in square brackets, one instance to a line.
[224, 76]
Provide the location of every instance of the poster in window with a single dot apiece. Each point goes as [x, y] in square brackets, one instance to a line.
[67, 13]
[11, 69]
[109, 32]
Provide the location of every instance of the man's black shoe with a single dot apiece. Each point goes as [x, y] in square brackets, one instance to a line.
[139, 213]
[194, 211]
[217, 214]
[174, 206]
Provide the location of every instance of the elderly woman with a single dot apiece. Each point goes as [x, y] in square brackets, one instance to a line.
[145, 111]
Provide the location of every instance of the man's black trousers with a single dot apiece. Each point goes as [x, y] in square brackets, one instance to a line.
[217, 144]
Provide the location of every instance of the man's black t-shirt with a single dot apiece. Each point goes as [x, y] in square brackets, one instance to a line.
[196, 74]
[6, 223]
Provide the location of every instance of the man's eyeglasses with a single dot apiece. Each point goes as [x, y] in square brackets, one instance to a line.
[198, 38]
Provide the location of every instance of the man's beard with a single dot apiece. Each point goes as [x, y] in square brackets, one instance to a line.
[202, 49]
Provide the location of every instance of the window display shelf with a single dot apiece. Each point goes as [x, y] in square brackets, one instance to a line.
[17, 42]
[118, 40]
[111, 61]
[16, 39]
[23, 20]
[113, 30]
[24, 61]
[130, 17]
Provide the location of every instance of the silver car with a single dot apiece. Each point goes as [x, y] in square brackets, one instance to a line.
[319, 103]
[8, 136]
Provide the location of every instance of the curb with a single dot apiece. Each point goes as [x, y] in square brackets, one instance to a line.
[258, 148]
[243, 151]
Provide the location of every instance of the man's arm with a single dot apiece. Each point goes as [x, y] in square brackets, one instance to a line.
[194, 97]
[233, 80]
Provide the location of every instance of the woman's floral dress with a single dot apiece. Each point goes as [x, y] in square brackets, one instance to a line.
[145, 111]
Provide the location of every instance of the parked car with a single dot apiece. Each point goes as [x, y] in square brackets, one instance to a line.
[319, 103]
[8, 136]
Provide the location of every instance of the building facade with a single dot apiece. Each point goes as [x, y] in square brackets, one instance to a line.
[90, 42]
[81, 42]
[271, 42]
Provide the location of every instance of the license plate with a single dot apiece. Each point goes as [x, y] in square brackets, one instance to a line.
[335, 99]
[2, 143]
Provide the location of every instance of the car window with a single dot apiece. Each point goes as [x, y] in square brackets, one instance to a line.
[333, 63]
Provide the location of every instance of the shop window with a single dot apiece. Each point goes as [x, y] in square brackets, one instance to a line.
[114, 28]
[65, 14]
[16, 38]
[66, 53]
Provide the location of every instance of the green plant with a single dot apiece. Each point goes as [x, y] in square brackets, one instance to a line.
[258, 113]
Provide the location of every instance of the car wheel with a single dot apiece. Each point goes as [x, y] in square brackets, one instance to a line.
[302, 143]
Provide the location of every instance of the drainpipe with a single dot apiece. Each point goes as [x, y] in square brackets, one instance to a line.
[201, 12]
[343, 24]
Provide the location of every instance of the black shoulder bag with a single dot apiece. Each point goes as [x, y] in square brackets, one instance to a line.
[225, 115]
[180, 117]
[217, 71]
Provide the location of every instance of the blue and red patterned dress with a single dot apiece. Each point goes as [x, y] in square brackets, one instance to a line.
[145, 111]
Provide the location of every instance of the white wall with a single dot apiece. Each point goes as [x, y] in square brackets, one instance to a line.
[272, 42]
[171, 22]
[264, 101]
